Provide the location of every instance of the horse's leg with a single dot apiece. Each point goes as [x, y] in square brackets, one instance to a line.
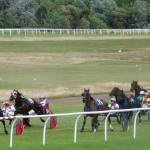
[26, 122]
[111, 127]
[3, 122]
[42, 120]
[39, 113]
[95, 123]
[118, 118]
[140, 121]
[10, 121]
[84, 122]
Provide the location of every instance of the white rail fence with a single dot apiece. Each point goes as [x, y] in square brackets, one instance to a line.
[76, 121]
[47, 31]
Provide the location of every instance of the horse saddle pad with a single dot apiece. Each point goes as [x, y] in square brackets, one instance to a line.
[98, 102]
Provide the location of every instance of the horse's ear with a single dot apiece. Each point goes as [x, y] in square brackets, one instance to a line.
[88, 89]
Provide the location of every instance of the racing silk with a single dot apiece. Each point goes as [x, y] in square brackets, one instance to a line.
[9, 111]
[45, 103]
[98, 103]
[146, 102]
[114, 106]
[140, 97]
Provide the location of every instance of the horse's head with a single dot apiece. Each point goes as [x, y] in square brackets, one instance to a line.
[86, 96]
[14, 95]
[134, 86]
[119, 94]
[114, 91]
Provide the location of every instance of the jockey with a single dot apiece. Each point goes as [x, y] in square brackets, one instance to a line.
[8, 110]
[146, 100]
[44, 104]
[140, 97]
[113, 105]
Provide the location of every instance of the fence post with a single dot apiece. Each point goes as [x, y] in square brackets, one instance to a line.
[135, 118]
[44, 130]
[75, 129]
[11, 134]
[106, 119]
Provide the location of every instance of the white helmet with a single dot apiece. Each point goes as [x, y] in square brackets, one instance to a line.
[113, 99]
[42, 97]
[142, 92]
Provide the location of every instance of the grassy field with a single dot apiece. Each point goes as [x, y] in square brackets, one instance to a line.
[64, 67]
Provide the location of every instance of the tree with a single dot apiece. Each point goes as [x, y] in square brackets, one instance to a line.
[22, 13]
[83, 24]
[96, 23]
[73, 13]
[141, 14]
[102, 8]
[118, 18]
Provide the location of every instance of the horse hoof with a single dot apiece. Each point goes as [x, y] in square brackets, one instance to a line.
[81, 130]
[94, 130]
[6, 132]
[29, 125]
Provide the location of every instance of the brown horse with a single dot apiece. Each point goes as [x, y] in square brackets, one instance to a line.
[92, 105]
[25, 106]
[137, 88]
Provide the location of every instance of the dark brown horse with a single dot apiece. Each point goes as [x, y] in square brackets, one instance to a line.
[25, 106]
[136, 88]
[125, 101]
[92, 105]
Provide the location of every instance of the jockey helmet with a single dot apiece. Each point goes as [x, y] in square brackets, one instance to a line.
[6, 103]
[42, 97]
[142, 92]
[113, 99]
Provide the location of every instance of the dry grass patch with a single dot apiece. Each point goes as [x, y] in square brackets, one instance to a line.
[97, 88]
[62, 38]
[68, 57]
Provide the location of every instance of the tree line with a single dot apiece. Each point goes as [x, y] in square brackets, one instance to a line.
[75, 14]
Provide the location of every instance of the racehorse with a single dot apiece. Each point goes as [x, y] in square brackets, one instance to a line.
[3, 121]
[137, 88]
[24, 106]
[92, 105]
[125, 102]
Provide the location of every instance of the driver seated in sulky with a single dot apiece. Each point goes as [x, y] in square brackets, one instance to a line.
[8, 110]
[44, 105]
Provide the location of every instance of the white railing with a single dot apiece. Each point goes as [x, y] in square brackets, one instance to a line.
[48, 31]
[76, 122]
